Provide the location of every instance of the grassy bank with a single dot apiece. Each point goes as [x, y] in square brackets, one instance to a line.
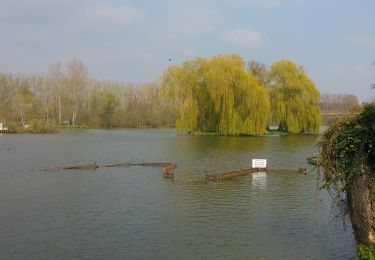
[366, 252]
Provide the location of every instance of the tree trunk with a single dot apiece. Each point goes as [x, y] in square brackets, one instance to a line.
[73, 118]
[22, 116]
[59, 110]
[47, 117]
[53, 115]
[361, 200]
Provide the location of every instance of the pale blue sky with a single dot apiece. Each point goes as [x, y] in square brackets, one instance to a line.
[132, 41]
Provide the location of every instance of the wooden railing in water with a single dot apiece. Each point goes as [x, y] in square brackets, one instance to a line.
[232, 174]
[167, 167]
[88, 165]
[167, 171]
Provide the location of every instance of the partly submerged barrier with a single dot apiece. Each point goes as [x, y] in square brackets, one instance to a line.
[88, 165]
[167, 171]
[162, 165]
[232, 174]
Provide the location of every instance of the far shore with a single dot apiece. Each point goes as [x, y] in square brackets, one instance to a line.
[56, 130]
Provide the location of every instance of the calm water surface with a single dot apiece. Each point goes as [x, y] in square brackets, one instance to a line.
[133, 213]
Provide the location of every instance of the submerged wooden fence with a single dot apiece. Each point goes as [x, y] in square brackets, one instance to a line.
[232, 174]
[167, 167]
[167, 171]
[161, 165]
[91, 165]
[88, 165]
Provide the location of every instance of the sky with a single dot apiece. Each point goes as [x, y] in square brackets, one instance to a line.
[133, 41]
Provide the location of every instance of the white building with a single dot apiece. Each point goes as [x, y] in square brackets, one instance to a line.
[3, 128]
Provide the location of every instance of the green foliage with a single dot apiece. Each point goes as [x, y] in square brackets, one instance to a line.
[217, 95]
[67, 99]
[347, 145]
[109, 104]
[294, 98]
[365, 252]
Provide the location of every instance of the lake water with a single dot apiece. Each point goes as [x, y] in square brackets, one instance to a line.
[133, 213]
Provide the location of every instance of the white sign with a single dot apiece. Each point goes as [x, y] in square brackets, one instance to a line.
[259, 163]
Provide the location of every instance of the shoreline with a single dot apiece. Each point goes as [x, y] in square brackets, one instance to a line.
[56, 130]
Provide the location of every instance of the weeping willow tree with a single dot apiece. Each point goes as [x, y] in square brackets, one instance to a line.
[185, 87]
[241, 103]
[294, 98]
[217, 95]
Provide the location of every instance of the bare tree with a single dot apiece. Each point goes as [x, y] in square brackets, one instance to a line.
[77, 79]
[57, 78]
[259, 70]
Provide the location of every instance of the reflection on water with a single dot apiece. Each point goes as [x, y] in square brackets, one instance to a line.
[259, 179]
[134, 213]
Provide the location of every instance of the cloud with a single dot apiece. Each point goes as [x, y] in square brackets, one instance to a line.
[365, 41]
[267, 4]
[270, 3]
[254, 3]
[244, 38]
[102, 14]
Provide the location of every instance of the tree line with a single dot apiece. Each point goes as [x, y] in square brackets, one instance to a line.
[223, 95]
[68, 96]
[337, 102]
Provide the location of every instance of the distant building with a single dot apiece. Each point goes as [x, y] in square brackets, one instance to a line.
[3, 128]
